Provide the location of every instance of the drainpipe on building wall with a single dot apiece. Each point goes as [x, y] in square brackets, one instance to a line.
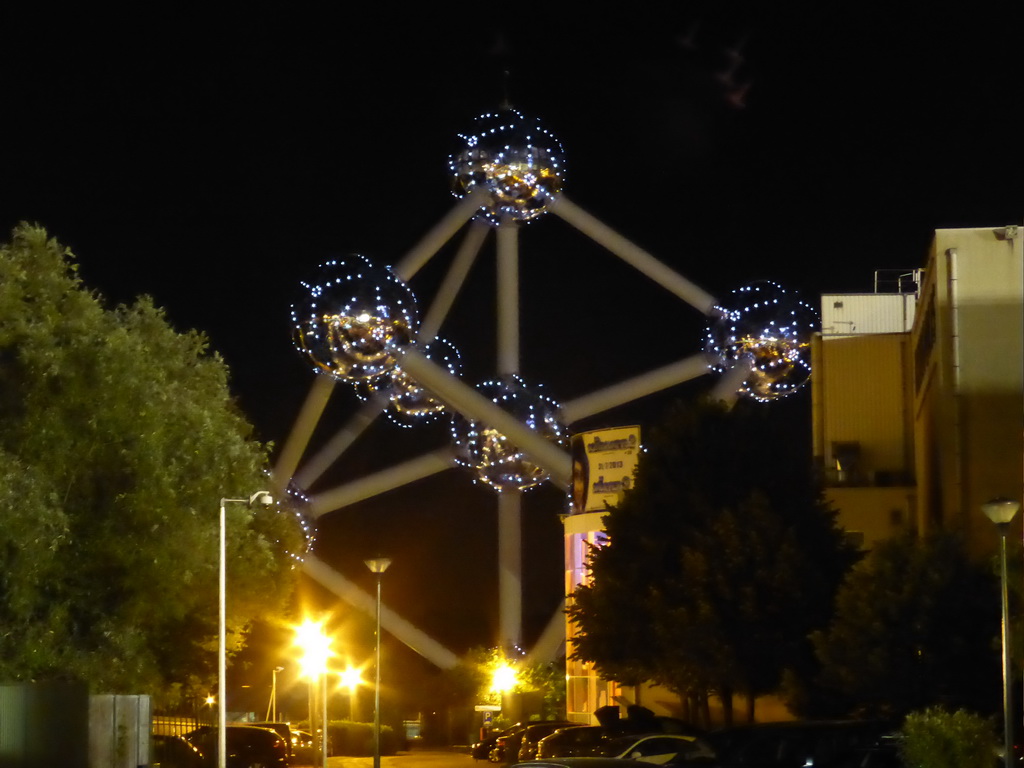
[952, 278]
[817, 405]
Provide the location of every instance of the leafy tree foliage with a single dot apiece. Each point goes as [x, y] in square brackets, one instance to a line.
[937, 738]
[119, 437]
[720, 562]
[917, 624]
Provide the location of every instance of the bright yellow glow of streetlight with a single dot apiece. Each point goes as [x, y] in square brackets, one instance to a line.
[503, 679]
[316, 648]
[352, 678]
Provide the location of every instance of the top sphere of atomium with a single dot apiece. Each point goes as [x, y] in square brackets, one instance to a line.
[768, 329]
[352, 319]
[514, 158]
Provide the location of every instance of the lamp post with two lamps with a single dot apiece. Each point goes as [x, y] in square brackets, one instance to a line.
[1001, 512]
[377, 566]
[263, 499]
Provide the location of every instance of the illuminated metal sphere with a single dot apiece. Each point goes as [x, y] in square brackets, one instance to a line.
[409, 403]
[496, 461]
[352, 318]
[512, 156]
[297, 503]
[768, 329]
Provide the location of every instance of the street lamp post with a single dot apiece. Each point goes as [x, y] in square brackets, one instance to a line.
[323, 713]
[1001, 512]
[264, 499]
[272, 709]
[377, 565]
[317, 650]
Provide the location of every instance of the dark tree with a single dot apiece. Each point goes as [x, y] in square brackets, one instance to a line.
[119, 439]
[721, 561]
[916, 625]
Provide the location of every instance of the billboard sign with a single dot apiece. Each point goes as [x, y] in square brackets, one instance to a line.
[603, 466]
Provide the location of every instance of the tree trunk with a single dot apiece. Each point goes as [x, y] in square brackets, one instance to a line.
[751, 704]
[705, 709]
[726, 696]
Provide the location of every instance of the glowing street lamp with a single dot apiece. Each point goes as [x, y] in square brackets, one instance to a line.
[503, 678]
[352, 678]
[263, 499]
[316, 648]
[377, 566]
[1001, 512]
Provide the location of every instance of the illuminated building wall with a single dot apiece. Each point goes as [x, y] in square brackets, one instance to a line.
[862, 427]
[585, 691]
[968, 388]
[917, 398]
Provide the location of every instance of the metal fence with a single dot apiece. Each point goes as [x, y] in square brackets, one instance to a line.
[175, 724]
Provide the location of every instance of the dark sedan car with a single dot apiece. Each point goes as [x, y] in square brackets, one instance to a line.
[248, 746]
[572, 741]
[579, 762]
[481, 750]
[661, 749]
[175, 752]
[535, 732]
[506, 747]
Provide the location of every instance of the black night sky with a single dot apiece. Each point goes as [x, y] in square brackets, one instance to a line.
[212, 159]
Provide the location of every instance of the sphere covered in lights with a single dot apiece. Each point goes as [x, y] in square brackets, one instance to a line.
[409, 403]
[514, 158]
[297, 503]
[496, 461]
[352, 318]
[768, 329]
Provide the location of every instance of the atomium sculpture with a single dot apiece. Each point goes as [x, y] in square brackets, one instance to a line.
[352, 318]
[768, 331]
[495, 459]
[297, 502]
[357, 323]
[515, 159]
[410, 403]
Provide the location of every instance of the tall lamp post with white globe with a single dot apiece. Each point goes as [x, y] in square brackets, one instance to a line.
[377, 566]
[1001, 512]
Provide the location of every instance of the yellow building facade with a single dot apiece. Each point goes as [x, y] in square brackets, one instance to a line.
[918, 392]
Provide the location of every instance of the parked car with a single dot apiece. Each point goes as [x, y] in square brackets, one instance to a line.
[481, 750]
[579, 762]
[506, 746]
[572, 741]
[535, 732]
[175, 752]
[302, 747]
[285, 731]
[780, 745]
[661, 749]
[248, 746]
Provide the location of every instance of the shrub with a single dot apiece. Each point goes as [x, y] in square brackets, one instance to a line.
[936, 738]
[356, 739]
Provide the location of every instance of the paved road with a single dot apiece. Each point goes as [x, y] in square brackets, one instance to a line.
[415, 759]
